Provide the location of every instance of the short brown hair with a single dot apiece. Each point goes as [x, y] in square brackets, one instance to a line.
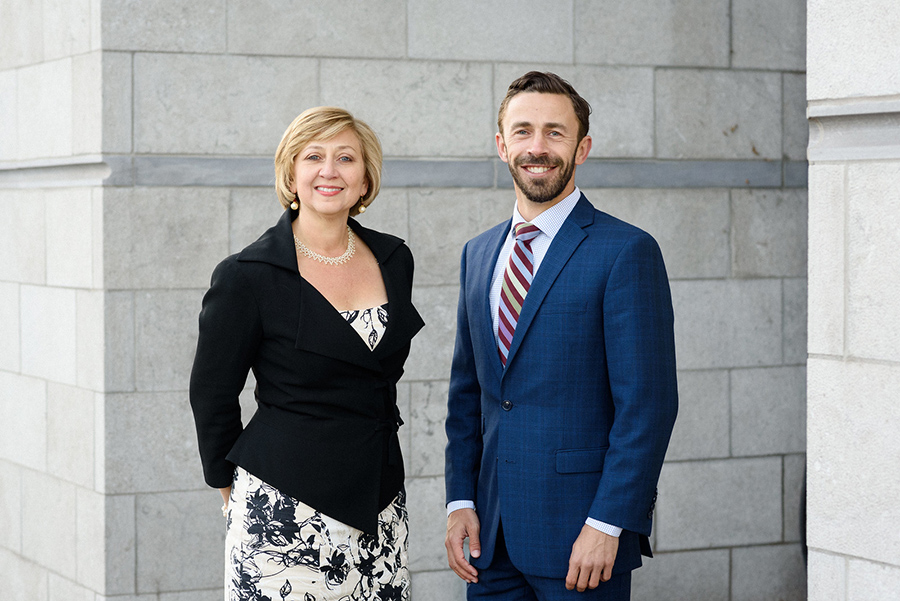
[548, 83]
[323, 123]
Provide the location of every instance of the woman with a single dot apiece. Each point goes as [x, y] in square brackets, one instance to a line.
[319, 308]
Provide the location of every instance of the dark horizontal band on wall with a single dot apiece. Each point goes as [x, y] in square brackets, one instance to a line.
[127, 170]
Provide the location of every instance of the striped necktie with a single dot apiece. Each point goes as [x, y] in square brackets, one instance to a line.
[516, 282]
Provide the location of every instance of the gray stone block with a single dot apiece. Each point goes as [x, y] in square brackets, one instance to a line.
[427, 523]
[49, 333]
[869, 580]
[428, 402]
[117, 85]
[151, 443]
[768, 411]
[207, 595]
[438, 586]
[415, 173]
[718, 114]
[164, 523]
[827, 576]
[202, 171]
[87, 103]
[768, 233]
[701, 430]
[120, 535]
[389, 213]
[873, 314]
[719, 504]
[9, 111]
[9, 327]
[164, 237]
[850, 451]
[61, 589]
[10, 506]
[621, 100]
[686, 576]
[313, 29]
[432, 348]
[173, 26]
[727, 323]
[796, 126]
[119, 356]
[70, 434]
[67, 28]
[18, 43]
[23, 413]
[70, 237]
[179, 105]
[48, 514]
[45, 122]
[827, 247]
[90, 535]
[765, 573]
[251, 211]
[795, 319]
[24, 580]
[165, 332]
[658, 32]
[89, 332]
[22, 234]
[678, 174]
[794, 500]
[473, 30]
[768, 34]
[691, 226]
[442, 221]
[411, 126]
[844, 67]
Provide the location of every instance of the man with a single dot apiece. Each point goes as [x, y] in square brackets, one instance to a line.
[562, 389]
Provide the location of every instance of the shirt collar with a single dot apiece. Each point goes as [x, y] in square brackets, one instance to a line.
[551, 220]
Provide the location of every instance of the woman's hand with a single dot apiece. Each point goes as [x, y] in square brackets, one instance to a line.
[226, 494]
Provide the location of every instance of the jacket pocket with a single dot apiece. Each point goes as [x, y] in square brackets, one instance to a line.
[575, 461]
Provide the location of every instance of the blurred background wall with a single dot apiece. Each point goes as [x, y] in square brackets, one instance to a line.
[854, 314]
[136, 144]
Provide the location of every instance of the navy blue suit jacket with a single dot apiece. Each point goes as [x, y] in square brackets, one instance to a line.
[577, 423]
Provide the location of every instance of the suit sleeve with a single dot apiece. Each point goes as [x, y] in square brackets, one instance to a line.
[640, 351]
[230, 332]
[463, 425]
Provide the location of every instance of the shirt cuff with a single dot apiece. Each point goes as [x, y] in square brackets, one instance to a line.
[602, 527]
[454, 505]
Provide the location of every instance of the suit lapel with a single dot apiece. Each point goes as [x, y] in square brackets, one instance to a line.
[567, 239]
[321, 328]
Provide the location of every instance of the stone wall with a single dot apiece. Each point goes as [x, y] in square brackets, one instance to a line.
[854, 318]
[135, 152]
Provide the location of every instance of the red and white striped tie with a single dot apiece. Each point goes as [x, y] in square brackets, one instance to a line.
[516, 282]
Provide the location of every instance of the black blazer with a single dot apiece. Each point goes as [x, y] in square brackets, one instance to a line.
[325, 429]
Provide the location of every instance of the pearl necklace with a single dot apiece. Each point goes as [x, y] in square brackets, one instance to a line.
[306, 252]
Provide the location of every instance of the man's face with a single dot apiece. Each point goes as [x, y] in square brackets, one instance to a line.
[540, 144]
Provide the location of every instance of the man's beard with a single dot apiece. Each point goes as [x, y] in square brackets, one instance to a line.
[541, 190]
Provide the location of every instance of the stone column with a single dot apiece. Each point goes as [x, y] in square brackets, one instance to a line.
[854, 315]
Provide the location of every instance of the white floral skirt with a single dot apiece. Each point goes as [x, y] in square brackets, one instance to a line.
[279, 549]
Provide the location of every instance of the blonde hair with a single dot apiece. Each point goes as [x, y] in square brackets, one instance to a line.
[323, 123]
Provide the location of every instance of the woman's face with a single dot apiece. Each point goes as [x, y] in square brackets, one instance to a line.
[330, 175]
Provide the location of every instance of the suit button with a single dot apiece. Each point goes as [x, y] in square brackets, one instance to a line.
[507, 405]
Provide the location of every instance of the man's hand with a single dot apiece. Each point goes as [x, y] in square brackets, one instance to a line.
[592, 559]
[461, 524]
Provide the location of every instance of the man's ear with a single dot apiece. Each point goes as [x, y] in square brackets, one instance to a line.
[501, 147]
[584, 149]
